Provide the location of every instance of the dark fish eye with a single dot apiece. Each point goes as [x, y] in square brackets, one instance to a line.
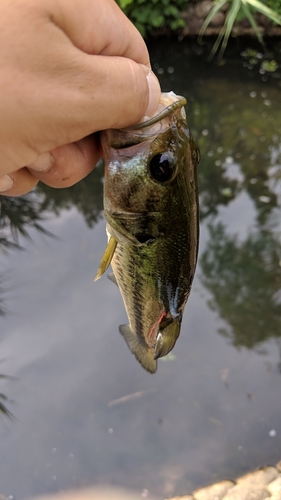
[161, 167]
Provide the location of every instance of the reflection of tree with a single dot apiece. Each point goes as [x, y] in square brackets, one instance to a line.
[240, 128]
[245, 282]
[18, 215]
[2, 310]
[4, 400]
[214, 187]
[3, 408]
[86, 196]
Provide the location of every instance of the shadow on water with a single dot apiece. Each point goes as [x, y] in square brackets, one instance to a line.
[196, 421]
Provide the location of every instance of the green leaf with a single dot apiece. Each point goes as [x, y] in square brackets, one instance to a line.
[209, 17]
[253, 22]
[124, 3]
[229, 23]
[263, 9]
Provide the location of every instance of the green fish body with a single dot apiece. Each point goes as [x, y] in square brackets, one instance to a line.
[151, 209]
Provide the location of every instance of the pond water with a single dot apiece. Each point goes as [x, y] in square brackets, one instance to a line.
[84, 411]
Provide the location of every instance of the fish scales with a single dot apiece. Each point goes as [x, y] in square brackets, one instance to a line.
[151, 209]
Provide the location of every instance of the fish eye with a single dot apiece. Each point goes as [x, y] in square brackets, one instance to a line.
[161, 167]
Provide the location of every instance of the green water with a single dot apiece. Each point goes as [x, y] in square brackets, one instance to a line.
[213, 409]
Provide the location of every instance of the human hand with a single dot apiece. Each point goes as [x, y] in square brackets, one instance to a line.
[69, 68]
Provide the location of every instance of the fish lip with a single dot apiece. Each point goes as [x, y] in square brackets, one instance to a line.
[171, 108]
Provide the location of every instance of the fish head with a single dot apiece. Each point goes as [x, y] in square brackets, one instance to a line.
[144, 166]
[169, 330]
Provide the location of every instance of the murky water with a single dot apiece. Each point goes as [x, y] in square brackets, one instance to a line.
[85, 411]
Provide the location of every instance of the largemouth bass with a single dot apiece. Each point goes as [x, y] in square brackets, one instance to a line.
[151, 209]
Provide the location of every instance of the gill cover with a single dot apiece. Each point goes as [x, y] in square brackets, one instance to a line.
[169, 330]
[143, 354]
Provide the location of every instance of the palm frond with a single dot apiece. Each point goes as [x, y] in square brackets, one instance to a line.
[210, 16]
[253, 23]
[263, 9]
[235, 7]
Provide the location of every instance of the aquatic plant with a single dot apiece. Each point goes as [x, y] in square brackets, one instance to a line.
[237, 9]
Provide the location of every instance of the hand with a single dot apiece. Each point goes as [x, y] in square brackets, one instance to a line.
[69, 68]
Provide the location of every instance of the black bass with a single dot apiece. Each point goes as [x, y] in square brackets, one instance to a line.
[151, 209]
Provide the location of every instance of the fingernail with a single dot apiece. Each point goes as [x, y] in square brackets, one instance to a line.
[154, 93]
[43, 163]
[6, 183]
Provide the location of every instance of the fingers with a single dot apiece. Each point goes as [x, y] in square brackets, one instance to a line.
[62, 167]
[17, 183]
[68, 164]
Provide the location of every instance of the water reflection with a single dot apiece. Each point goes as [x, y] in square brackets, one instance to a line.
[87, 197]
[244, 280]
[18, 215]
[239, 135]
[244, 137]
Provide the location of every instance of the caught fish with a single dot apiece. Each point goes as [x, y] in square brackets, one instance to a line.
[151, 209]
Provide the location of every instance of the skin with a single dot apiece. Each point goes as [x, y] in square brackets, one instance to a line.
[69, 68]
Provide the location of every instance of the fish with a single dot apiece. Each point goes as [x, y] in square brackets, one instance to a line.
[151, 212]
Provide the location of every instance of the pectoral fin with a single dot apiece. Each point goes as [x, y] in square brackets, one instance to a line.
[107, 257]
[143, 354]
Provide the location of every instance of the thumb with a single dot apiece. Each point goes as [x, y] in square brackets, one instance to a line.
[95, 93]
[117, 92]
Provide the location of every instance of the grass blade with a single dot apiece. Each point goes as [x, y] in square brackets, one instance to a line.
[263, 9]
[253, 23]
[230, 20]
[209, 17]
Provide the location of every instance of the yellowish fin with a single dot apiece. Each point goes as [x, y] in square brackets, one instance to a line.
[107, 257]
[143, 354]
